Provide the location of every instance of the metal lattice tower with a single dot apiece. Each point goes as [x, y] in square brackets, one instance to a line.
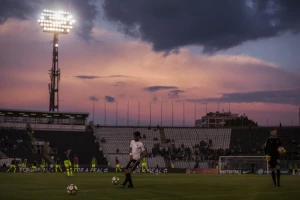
[56, 22]
[54, 78]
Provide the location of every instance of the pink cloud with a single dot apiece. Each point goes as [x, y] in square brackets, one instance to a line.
[24, 80]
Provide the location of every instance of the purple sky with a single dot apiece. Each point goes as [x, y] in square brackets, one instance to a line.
[157, 51]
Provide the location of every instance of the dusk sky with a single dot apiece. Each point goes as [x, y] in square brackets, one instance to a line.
[192, 51]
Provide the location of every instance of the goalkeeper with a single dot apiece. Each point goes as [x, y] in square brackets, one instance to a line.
[272, 150]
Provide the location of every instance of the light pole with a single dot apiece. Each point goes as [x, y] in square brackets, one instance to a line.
[93, 98]
[128, 114]
[93, 111]
[183, 114]
[150, 113]
[161, 117]
[104, 111]
[56, 22]
[116, 113]
[139, 108]
[172, 114]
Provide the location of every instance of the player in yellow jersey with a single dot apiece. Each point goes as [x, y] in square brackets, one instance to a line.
[144, 165]
[118, 165]
[13, 165]
[57, 165]
[24, 165]
[34, 166]
[94, 164]
[68, 163]
[43, 165]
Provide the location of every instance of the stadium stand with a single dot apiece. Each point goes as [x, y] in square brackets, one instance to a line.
[250, 141]
[2, 155]
[183, 147]
[115, 142]
[15, 143]
[189, 164]
[120, 137]
[83, 144]
[123, 158]
[193, 147]
[220, 138]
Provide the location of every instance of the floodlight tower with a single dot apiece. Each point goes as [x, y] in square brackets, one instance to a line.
[56, 22]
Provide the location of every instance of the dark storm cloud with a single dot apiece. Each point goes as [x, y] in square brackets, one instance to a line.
[174, 94]
[86, 77]
[110, 99]
[291, 97]
[157, 88]
[84, 11]
[213, 24]
[93, 77]
[17, 9]
[93, 98]
[119, 76]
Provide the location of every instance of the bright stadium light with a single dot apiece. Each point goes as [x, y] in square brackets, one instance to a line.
[61, 22]
[56, 22]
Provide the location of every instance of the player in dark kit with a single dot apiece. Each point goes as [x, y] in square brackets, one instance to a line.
[137, 153]
[273, 156]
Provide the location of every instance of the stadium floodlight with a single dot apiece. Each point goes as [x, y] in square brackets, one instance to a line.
[56, 22]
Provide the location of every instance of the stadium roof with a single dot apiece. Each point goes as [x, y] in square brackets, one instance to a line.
[38, 113]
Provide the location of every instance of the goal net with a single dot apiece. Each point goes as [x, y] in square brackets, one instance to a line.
[243, 165]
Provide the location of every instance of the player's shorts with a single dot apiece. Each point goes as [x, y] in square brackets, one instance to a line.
[132, 164]
[67, 163]
[275, 160]
[117, 165]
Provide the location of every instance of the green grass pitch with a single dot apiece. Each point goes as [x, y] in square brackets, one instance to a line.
[95, 186]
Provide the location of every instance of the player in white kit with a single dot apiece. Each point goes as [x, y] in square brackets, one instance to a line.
[137, 152]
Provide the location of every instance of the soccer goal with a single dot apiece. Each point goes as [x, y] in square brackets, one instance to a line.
[243, 165]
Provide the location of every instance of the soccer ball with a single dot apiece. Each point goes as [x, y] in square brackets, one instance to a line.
[72, 189]
[115, 180]
[281, 150]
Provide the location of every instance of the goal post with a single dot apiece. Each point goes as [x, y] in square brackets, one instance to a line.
[243, 165]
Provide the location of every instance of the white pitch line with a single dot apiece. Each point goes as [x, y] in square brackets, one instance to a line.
[186, 197]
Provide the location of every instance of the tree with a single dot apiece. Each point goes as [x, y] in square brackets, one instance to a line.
[241, 120]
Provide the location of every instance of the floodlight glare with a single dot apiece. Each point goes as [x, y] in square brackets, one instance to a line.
[51, 18]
